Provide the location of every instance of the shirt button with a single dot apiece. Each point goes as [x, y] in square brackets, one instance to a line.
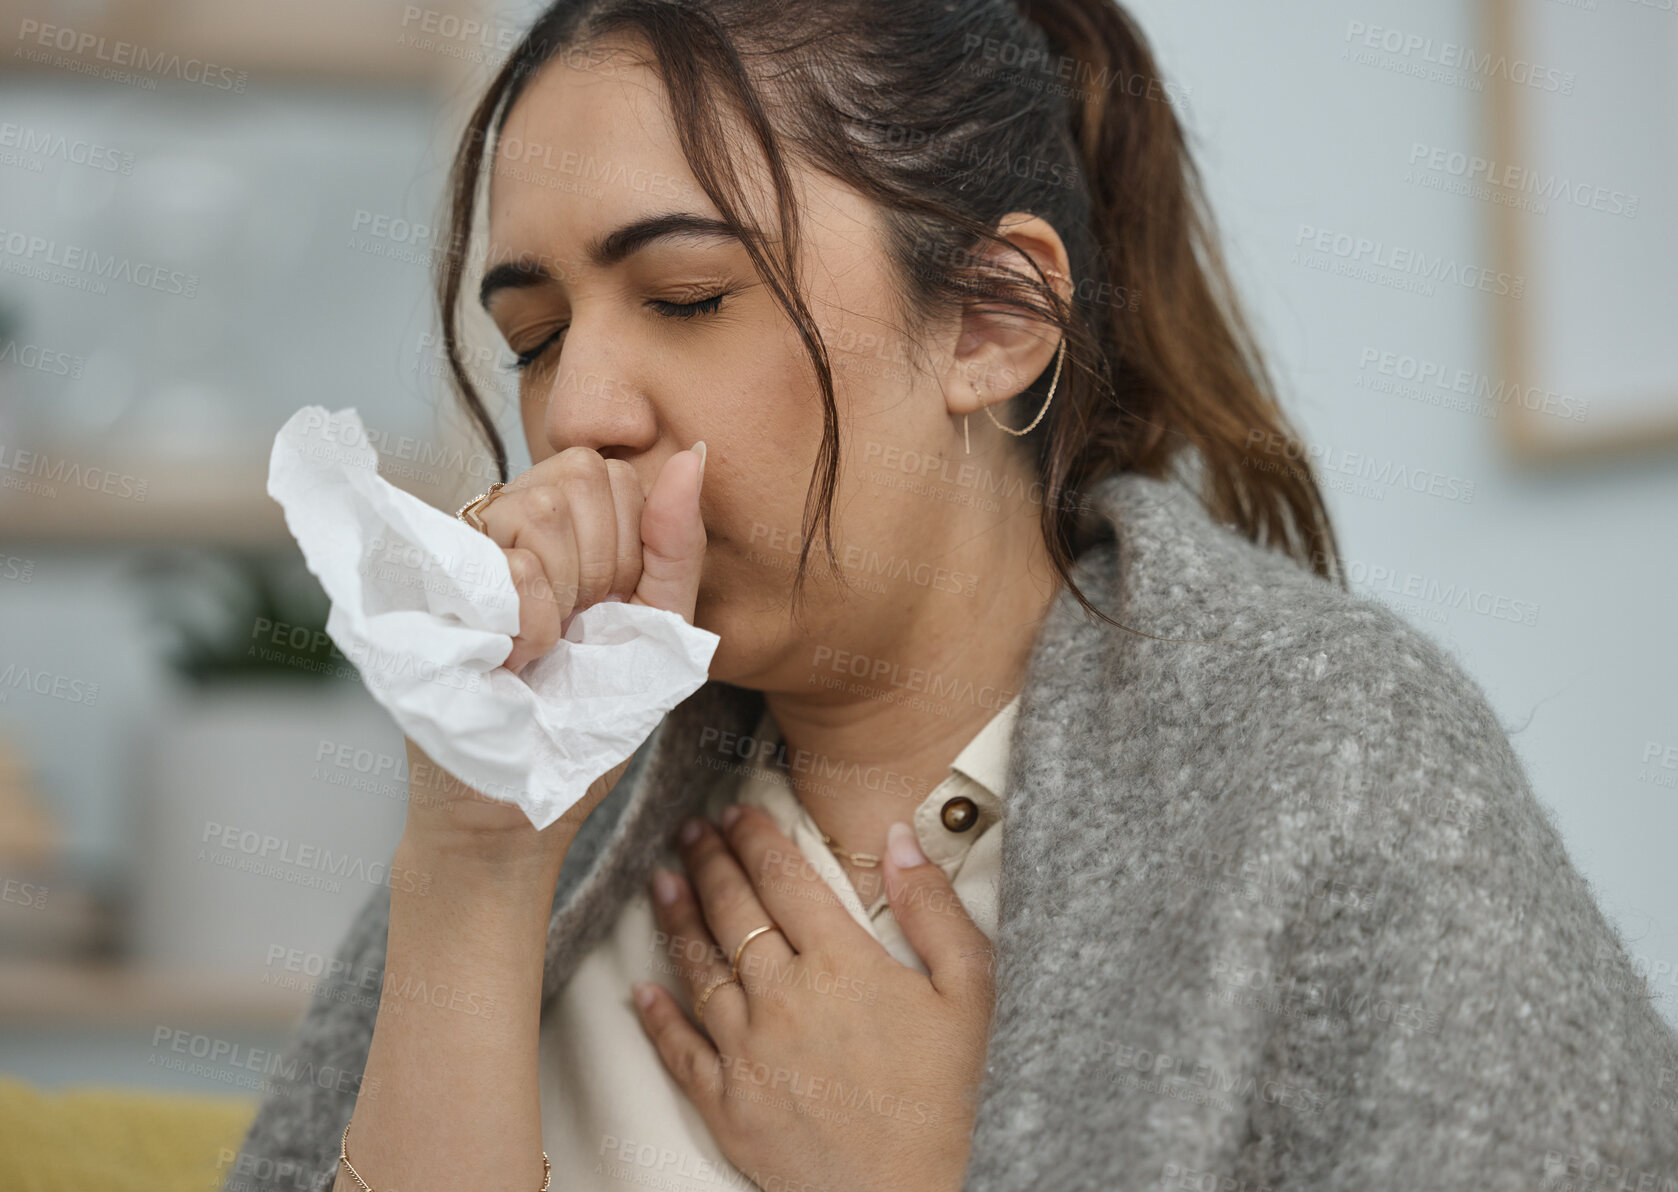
[960, 814]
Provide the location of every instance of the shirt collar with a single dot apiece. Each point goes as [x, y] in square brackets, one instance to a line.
[985, 757]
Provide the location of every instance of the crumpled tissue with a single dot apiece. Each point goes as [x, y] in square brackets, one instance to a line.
[425, 608]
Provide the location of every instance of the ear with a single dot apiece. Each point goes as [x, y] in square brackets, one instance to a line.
[999, 353]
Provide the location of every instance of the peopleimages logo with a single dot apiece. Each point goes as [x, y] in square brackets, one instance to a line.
[1379, 580]
[38, 252]
[1558, 188]
[1394, 369]
[1369, 253]
[44, 145]
[237, 1063]
[1449, 55]
[35, 473]
[45, 360]
[1277, 453]
[43, 682]
[271, 852]
[127, 54]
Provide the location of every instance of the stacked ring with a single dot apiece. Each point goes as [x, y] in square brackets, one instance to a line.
[733, 973]
[699, 1006]
[468, 512]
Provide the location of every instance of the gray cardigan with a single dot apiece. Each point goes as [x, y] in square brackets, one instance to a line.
[1278, 909]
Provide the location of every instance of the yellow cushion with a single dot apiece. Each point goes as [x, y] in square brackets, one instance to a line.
[116, 1140]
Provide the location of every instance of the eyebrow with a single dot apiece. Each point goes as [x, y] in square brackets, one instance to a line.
[608, 250]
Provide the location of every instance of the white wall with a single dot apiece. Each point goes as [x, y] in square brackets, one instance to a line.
[1291, 130]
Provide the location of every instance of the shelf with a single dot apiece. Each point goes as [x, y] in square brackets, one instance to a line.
[114, 995]
[219, 502]
[149, 501]
[301, 39]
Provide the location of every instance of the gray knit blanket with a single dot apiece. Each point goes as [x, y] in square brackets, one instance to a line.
[1278, 910]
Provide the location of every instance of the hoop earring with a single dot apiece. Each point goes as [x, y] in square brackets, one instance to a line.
[1060, 358]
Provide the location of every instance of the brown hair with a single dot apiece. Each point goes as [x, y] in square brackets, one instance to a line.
[949, 114]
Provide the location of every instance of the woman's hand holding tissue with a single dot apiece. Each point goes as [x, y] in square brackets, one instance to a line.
[577, 531]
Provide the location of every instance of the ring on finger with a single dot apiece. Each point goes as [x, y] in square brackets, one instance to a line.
[699, 1006]
[741, 947]
[468, 512]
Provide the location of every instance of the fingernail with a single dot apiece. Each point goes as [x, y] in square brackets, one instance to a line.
[690, 831]
[643, 996]
[664, 887]
[699, 449]
[902, 847]
[729, 815]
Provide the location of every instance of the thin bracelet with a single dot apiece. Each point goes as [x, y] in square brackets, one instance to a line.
[344, 1158]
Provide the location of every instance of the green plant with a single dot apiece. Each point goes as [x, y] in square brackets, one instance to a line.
[227, 615]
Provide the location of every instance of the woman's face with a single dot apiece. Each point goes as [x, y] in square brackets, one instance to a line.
[639, 345]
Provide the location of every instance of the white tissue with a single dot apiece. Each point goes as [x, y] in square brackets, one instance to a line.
[424, 606]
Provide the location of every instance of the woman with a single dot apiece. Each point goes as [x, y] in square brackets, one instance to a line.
[1275, 906]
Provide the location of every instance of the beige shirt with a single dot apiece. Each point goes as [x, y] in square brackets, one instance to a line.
[612, 1117]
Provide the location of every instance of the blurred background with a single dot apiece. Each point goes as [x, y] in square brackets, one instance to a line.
[1454, 225]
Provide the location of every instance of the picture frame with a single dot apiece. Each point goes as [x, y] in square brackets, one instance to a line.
[1579, 187]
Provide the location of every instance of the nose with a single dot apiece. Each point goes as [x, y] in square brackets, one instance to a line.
[595, 398]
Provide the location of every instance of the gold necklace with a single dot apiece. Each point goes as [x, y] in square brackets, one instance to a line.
[860, 860]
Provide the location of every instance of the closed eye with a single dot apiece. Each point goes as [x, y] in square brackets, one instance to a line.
[687, 310]
[669, 310]
[524, 360]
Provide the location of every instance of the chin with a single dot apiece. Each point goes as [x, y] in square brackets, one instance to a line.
[741, 652]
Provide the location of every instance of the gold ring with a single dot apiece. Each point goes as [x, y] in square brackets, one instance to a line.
[699, 1006]
[468, 512]
[741, 947]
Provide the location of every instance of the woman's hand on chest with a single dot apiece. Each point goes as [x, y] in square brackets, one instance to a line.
[828, 1064]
